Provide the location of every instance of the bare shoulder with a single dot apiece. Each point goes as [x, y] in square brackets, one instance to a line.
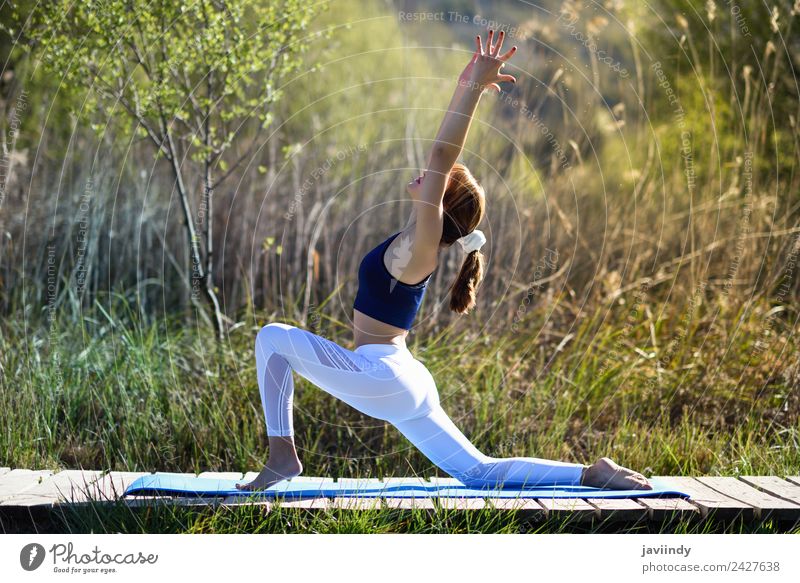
[403, 263]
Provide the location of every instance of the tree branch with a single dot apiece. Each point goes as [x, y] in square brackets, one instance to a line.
[133, 110]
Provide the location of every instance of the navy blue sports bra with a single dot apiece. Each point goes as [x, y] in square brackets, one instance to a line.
[382, 296]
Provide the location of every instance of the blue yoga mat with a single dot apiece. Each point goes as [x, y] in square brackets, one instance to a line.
[164, 483]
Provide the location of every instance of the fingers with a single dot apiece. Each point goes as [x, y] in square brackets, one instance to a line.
[496, 47]
[491, 52]
[494, 50]
[475, 56]
[479, 50]
[500, 79]
[507, 55]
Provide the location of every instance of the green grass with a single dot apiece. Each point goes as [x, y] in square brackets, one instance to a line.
[108, 392]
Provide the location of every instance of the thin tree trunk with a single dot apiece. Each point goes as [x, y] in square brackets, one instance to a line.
[194, 249]
[209, 196]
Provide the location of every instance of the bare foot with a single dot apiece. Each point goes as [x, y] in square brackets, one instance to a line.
[272, 474]
[604, 473]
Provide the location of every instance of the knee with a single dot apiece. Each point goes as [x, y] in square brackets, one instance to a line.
[272, 337]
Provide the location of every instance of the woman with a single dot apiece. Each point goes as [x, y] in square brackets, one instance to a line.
[381, 378]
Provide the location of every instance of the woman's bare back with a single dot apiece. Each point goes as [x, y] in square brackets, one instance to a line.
[401, 263]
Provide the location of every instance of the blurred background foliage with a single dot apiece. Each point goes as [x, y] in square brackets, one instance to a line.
[576, 156]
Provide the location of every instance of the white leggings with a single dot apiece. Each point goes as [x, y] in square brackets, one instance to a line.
[386, 382]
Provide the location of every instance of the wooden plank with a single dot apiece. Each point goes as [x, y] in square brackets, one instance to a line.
[618, 509]
[140, 501]
[415, 503]
[237, 501]
[775, 486]
[725, 497]
[195, 501]
[20, 480]
[356, 503]
[156, 501]
[319, 503]
[666, 509]
[764, 504]
[571, 509]
[67, 486]
[462, 503]
[708, 500]
[528, 508]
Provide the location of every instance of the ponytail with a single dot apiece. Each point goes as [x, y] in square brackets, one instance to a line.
[464, 289]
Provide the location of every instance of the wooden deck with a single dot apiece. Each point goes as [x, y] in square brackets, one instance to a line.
[749, 498]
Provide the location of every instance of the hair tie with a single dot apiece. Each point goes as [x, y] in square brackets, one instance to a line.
[472, 242]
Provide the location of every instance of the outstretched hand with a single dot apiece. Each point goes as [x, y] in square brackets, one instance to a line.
[484, 67]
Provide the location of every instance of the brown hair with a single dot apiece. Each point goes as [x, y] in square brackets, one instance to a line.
[464, 205]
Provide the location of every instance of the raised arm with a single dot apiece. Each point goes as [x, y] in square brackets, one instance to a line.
[482, 71]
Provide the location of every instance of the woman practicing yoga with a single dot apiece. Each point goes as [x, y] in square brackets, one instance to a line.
[381, 378]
